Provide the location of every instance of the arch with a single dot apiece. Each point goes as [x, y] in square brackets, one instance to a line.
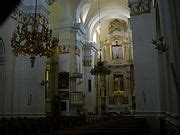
[106, 13]
[82, 10]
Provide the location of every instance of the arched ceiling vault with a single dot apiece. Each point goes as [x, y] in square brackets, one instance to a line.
[108, 10]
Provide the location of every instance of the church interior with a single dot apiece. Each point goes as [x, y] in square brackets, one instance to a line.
[90, 66]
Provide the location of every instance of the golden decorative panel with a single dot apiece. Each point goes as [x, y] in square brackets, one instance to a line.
[117, 37]
[118, 25]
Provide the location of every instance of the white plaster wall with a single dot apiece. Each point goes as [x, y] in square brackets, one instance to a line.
[2, 90]
[145, 63]
[1, 77]
[169, 27]
[23, 92]
[28, 94]
[88, 95]
[67, 11]
[90, 53]
[63, 61]
[5, 31]
[80, 82]
[87, 76]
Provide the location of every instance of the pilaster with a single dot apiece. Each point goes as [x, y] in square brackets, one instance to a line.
[70, 58]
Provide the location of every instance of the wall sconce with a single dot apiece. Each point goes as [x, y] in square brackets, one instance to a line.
[43, 83]
[160, 45]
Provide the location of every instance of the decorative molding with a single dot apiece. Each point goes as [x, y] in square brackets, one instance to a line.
[91, 46]
[17, 14]
[28, 115]
[117, 37]
[23, 17]
[41, 9]
[80, 27]
[24, 11]
[137, 113]
[63, 49]
[76, 75]
[87, 63]
[78, 51]
[118, 25]
[140, 7]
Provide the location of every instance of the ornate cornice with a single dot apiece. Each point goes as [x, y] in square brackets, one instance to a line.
[21, 16]
[50, 2]
[18, 15]
[63, 49]
[140, 7]
[118, 25]
[66, 49]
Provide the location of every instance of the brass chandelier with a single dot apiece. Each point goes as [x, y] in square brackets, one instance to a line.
[100, 69]
[33, 37]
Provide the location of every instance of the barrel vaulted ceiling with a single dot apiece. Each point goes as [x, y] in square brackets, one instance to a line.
[103, 11]
[91, 12]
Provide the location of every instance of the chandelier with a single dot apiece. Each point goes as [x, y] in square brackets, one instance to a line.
[33, 37]
[100, 68]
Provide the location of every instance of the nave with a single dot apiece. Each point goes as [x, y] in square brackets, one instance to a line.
[123, 125]
[72, 57]
[77, 125]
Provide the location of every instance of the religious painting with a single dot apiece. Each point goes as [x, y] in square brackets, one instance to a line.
[63, 80]
[118, 82]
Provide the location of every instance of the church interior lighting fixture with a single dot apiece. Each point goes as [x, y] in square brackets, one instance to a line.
[33, 37]
[100, 69]
[160, 45]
